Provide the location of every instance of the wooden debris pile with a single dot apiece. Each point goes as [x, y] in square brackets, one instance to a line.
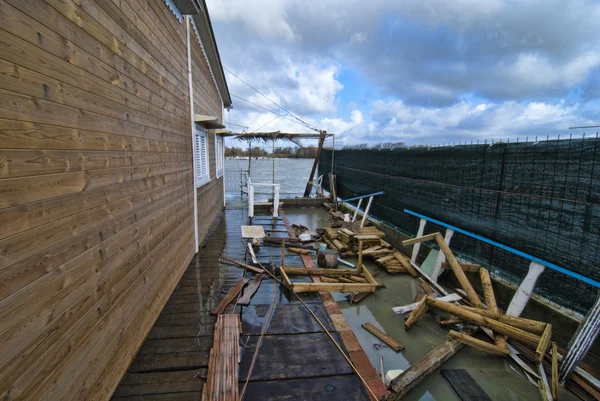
[223, 364]
[499, 326]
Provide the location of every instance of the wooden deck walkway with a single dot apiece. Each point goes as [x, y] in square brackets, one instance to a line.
[296, 360]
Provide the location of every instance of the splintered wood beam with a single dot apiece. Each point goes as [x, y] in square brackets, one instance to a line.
[228, 298]
[479, 344]
[418, 240]
[458, 272]
[480, 320]
[356, 297]
[299, 251]
[416, 314]
[387, 340]
[490, 300]
[412, 376]
[467, 267]
[544, 343]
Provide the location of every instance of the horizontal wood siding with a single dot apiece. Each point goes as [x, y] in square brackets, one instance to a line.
[96, 187]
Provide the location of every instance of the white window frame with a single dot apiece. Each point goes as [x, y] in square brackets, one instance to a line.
[202, 165]
[220, 155]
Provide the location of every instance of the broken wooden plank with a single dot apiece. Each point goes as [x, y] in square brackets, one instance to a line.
[416, 314]
[417, 240]
[532, 326]
[251, 290]
[400, 310]
[544, 343]
[387, 340]
[479, 344]
[326, 279]
[228, 298]
[464, 386]
[458, 272]
[412, 376]
[223, 366]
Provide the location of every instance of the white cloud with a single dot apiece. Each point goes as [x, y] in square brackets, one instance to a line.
[358, 37]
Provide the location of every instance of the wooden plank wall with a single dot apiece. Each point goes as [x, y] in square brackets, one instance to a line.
[96, 187]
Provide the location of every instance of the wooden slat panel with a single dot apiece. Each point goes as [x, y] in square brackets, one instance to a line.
[96, 191]
[63, 39]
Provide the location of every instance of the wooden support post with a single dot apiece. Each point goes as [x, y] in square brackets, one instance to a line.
[490, 300]
[581, 342]
[356, 210]
[417, 246]
[476, 343]
[309, 184]
[458, 272]
[525, 290]
[417, 240]
[437, 267]
[532, 326]
[282, 254]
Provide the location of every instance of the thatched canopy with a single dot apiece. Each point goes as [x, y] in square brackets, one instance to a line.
[278, 135]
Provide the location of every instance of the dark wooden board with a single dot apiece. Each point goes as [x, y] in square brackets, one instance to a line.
[293, 356]
[169, 361]
[229, 297]
[464, 386]
[333, 388]
[187, 396]
[161, 382]
[287, 319]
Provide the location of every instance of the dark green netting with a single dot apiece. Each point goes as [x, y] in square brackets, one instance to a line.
[541, 198]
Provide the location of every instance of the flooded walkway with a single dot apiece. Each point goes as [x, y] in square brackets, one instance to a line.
[296, 361]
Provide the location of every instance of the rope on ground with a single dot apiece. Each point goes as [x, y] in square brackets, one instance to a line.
[317, 320]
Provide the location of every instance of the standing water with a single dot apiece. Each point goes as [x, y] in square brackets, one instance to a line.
[290, 174]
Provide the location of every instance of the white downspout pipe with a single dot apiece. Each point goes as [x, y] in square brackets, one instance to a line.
[190, 85]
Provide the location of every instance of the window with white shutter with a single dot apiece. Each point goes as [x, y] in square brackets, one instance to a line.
[201, 168]
[220, 155]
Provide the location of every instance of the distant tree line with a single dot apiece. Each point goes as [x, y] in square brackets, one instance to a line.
[283, 152]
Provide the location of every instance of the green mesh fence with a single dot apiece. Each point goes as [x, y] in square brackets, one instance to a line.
[541, 198]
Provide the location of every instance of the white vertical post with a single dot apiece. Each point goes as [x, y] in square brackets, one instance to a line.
[525, 290]
[276, 200]
[417, 246]
[441, 258]
[364, 219]
[250, 199]
[191, 94]
[356, 211]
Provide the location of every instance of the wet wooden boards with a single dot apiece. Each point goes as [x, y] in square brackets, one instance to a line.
[222, 381]
[228, 298]
[389, 341]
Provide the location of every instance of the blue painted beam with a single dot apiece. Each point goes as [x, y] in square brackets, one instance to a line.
[362, 197]
[509, 249]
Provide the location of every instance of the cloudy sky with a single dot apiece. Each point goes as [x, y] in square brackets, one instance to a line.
[420, 72]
